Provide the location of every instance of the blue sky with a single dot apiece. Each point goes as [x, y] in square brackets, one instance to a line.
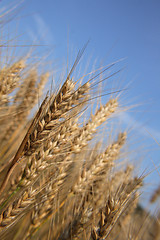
[117, 29]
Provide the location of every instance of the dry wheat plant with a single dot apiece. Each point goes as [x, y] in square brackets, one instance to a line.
[55, 183]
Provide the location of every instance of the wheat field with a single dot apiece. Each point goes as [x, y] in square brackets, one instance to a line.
[57, 179]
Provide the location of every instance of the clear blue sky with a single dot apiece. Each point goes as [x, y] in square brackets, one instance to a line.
[116, 29]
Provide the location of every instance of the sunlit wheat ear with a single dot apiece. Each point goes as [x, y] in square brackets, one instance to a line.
[22, 102]
[49, 135]
[86, 133]
[114, 208]
[126, 216]
[99, 165]
[9, 78]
